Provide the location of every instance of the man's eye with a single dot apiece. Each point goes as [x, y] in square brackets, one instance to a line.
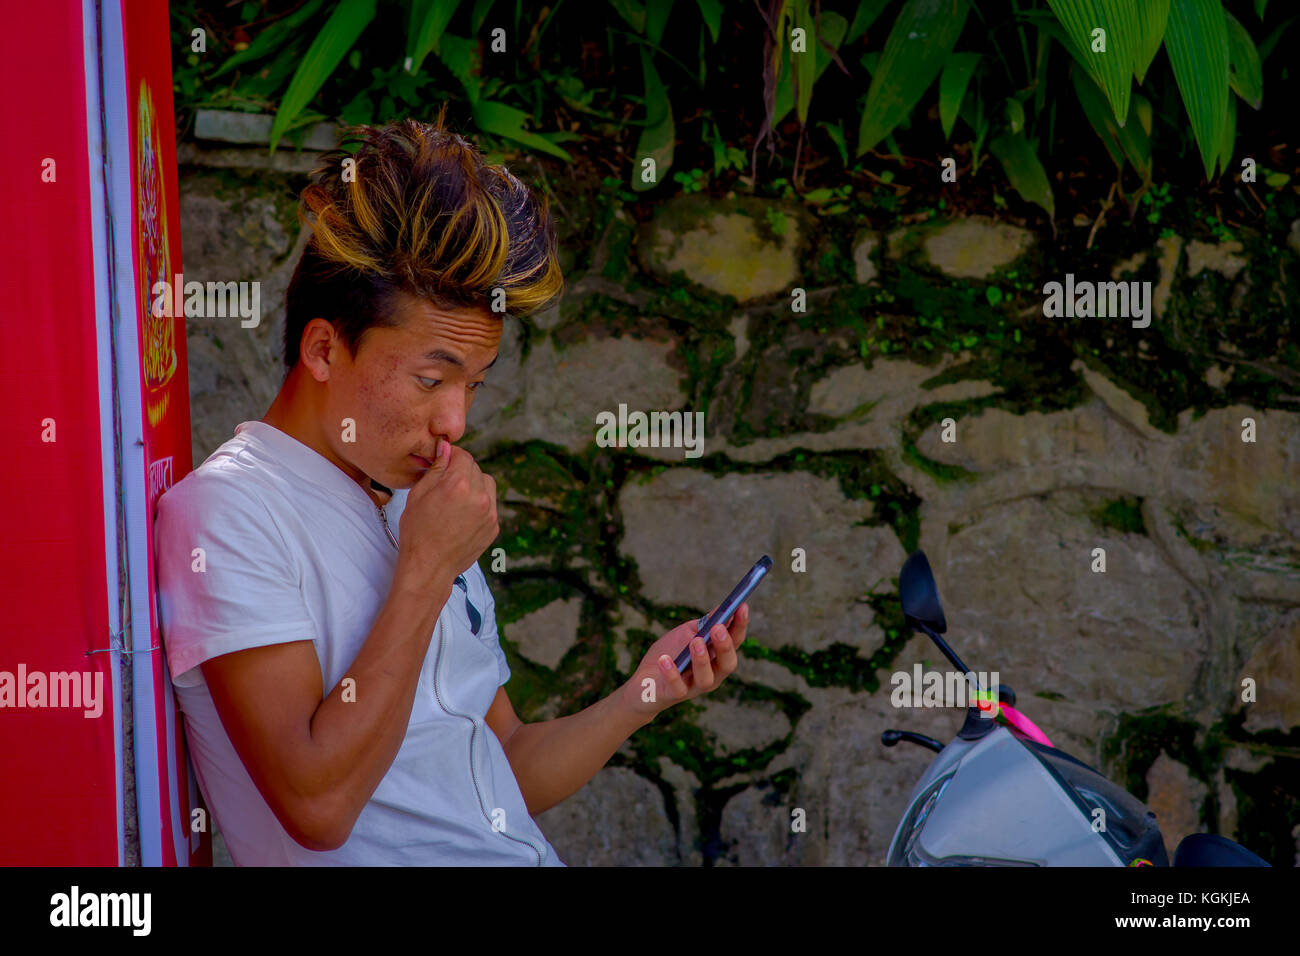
[426, 382]
[477, 385]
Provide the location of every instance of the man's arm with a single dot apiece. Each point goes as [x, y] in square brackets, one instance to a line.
[554, 759]
[317, 761]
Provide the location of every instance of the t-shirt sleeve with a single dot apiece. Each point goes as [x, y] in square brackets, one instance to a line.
[227, 580]
[489, 633]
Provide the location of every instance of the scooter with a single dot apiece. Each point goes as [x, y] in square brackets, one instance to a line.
[1001, 794]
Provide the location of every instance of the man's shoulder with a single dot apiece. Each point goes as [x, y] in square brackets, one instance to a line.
[209, 484]
[233, 480]
[239, 466]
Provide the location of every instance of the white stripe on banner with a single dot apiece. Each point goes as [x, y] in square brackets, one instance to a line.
[107, 410]
[179, 827]
[135, 497]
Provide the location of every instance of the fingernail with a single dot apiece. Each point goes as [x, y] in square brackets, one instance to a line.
[665, 664]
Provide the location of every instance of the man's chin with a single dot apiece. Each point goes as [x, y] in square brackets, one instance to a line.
[395, 481]
[403, 474]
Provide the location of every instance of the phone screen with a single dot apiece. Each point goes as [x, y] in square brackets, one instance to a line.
[727, 608]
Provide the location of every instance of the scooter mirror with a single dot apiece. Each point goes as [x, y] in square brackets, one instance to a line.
[918, 594]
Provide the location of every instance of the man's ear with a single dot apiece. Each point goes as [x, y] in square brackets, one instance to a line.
[318, 348]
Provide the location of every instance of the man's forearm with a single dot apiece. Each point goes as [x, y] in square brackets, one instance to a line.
[356, 739]
[552, 759]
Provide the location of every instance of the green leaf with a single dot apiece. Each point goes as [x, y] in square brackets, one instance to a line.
[1259, 8]
[1153, 17]
[920, 41]
[359, 110]
[832, 30]
[508, 122]
[952, 88]
[632, 12]
[868, 11]
[1015, 114]
[1132, 140]
[429, 18]
[336, 37]
[461, 56]
[658, 137]
[1142, 107]
[1269, 42]
[711, 11]
[836, 132]
[1113, 69]
[1097, 109]
[1245, 73]
[1135, 138]
[805, 63]
[972, 111]
[1229, 135]
[272, 37]
[1197, 43]
[271, 80]
[479, 14]
[1024, 170]
[656, 18]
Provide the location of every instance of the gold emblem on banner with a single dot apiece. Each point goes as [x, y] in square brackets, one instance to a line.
[154, 259]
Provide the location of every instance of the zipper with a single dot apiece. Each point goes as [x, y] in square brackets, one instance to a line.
[473, 773]
[383, 516]
[474, 728]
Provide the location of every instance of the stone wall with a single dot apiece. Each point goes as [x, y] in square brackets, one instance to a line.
[826, 432]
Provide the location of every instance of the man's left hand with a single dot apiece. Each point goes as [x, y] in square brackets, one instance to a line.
[668, 687]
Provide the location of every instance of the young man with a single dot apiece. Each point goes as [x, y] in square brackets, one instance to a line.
[331, 638]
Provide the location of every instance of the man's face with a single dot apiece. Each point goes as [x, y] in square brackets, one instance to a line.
[407, 387]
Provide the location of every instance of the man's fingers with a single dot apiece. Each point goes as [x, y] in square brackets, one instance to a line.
[711, 662]
[668, 670]
[740, 625]
[700, 666]
[724, 646]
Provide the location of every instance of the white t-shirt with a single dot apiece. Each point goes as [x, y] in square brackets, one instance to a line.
[293, 549]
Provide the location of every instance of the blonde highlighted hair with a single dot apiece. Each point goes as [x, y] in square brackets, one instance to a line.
[416, 211]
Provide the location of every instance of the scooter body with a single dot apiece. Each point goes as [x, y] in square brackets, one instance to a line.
[999, 801]
[1003, 795]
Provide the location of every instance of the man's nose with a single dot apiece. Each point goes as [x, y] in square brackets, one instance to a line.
[449, 420]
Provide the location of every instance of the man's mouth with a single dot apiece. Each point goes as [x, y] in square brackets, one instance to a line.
[425, 462]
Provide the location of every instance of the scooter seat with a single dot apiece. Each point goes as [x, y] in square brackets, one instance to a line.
[1207, 849]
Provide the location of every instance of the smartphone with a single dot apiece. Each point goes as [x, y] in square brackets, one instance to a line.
[726, 609]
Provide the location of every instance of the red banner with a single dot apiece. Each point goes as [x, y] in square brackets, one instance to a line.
[60, 759]
[96, 427]
[155, 418]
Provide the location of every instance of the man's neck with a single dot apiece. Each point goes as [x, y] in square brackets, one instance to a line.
[294, 413]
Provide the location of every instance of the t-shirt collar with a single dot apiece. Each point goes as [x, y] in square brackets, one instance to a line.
[306, 462]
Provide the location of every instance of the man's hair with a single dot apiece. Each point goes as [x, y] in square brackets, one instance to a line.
[419, 213]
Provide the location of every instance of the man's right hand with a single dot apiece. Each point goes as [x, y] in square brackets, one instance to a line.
[449, 520]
